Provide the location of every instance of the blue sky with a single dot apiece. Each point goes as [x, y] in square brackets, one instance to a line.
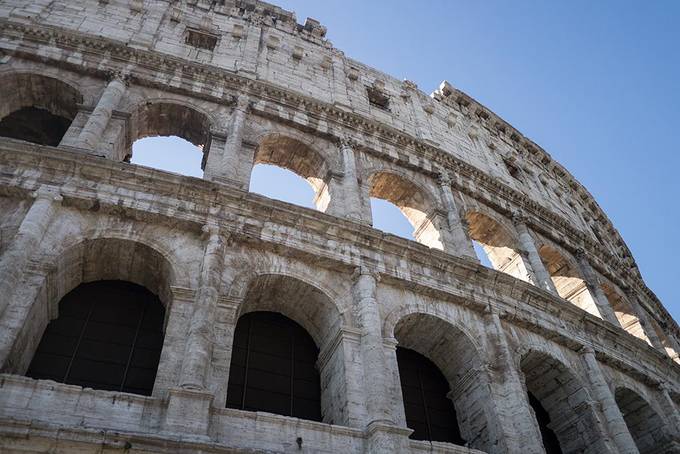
[596, 84]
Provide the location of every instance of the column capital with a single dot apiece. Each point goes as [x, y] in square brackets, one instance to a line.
[242, 102]
[209, 230]
[443, 178]
[47, 193]
[519, 218]
[121, 76]
[347, 142]
[581, 254]
[364, 270]
[586, 350]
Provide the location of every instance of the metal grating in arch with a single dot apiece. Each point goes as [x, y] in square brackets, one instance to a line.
[429, 412]
[273, 367]
[108, 335]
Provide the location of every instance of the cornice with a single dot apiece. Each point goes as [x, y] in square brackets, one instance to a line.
[115, 54]
[85, 179]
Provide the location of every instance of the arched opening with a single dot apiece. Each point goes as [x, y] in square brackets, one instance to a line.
[624, 313]
[273, 367]
[429, 350]
[108, 335]
[498, 244]
[561, 405]
[413, 204]
[89, 261]
[429, 411]
[567, 279]
[291, 321]
[296, 157]
[170, 137]
[36, 108]
[644, 424]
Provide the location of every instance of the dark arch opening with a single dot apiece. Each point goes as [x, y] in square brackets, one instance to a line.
[108, 335]
[429, 411]
[273, 367]
[550, 442]
[36, 108]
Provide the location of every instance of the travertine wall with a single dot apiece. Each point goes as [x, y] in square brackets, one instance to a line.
[564, 315]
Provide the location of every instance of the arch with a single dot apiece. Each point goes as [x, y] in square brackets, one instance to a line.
[293, 154]
[415, 203]
[561, 395]
[499, 243]
[92, 260]
[37, 108]
[567, 279]
[644, 423]
[167, 118]
[273, 367]
[459, 360]
[108, 335]
[624, 312]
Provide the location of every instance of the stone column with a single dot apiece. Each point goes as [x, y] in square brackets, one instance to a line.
[200, 337]
[25, 243]
[613, 418]
[517, 430]
[347, 203]
[462, 244]
[669, 408]
[94, 129]
[371, 346]
[593, 284]
[233, 167]
[541, 275]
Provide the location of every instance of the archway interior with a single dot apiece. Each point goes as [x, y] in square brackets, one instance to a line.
[567, 279]
[36, 108]
[644, 424]
[281, 184]
[499, 246]
[108, 335]
[296, 157]
[412, 203]
[560, 405]
[170, 137]
[454, 356]
[624, 313]
[429, 411]
[273, 367]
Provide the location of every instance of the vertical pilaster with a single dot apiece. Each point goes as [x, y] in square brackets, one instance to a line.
[613, 418]
[462, 244]
[593, 284]
[200, 337]
[235, 167]
[25, 242]
[669, 407]
[542, 278]
[516, 429]
[371, 345]
[92, 132]
[347, 201]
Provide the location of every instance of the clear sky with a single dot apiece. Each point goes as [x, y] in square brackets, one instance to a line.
[596, 84]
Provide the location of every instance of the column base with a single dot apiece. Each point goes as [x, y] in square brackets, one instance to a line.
[382, 437]
[188, 412]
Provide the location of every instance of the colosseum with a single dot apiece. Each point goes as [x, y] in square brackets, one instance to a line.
[144, 311]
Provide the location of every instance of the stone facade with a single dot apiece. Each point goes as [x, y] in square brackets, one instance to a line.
[564, 314]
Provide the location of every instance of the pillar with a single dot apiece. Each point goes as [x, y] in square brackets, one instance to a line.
[669, 408]
[25, 242]
[462, 244]
[541, 275]
[199, 342]
[371, 346]
[593, 284]
[517, 431]
[235, 168]
[613, 418]
[92, 132]
[346, 197]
